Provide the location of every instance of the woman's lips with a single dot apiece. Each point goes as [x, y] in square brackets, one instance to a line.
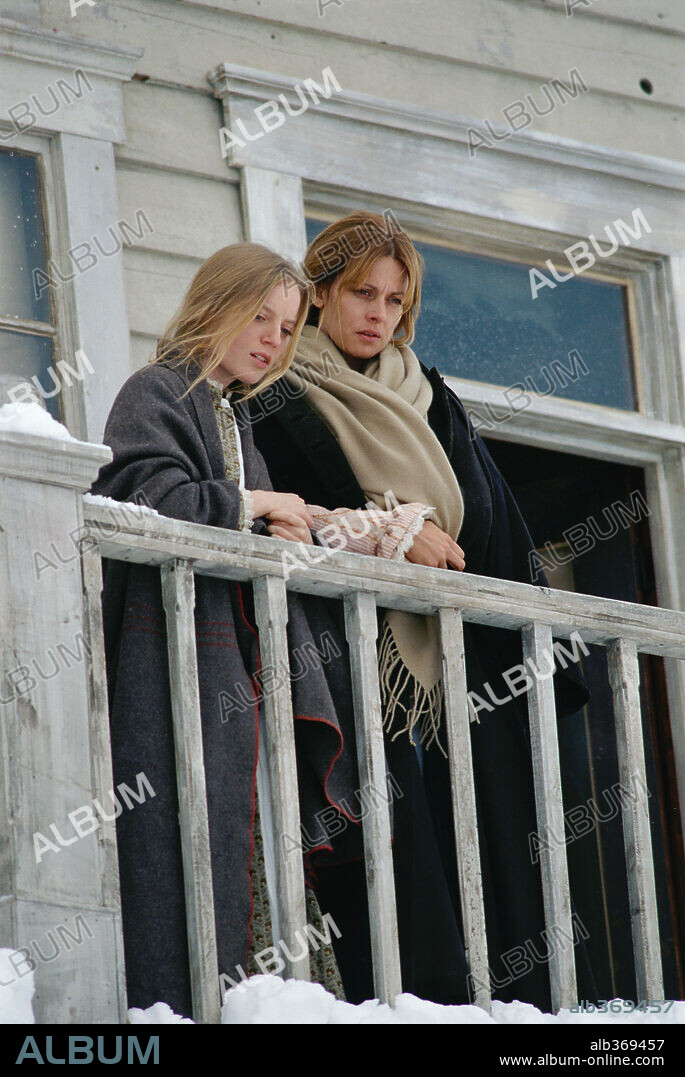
[370, 337]
[260, 359]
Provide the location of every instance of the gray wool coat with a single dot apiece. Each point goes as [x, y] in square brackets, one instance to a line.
[170, 450]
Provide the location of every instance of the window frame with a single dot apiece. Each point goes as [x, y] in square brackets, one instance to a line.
[75, 145]
[69, 397]
[638, 271]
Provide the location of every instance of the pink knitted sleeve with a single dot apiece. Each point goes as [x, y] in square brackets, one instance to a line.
[375, 532]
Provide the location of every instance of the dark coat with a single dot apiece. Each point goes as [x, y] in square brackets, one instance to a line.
[304, 457]
[170, 451]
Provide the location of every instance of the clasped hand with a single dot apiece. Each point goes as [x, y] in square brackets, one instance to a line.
[436, 549]
[289, 519]
[287, 514]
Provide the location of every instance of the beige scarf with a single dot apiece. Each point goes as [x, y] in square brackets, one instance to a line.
[379, 418]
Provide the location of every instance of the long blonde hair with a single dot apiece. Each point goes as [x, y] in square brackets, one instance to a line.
[226, 293]
[345, 251]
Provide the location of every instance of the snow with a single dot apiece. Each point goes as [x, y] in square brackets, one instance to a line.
[99, 499]
[263, 1000]
[269, 1000]
[32, 418]
[16, 993]
[159, 1014]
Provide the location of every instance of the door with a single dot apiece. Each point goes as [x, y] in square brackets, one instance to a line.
[590, 524]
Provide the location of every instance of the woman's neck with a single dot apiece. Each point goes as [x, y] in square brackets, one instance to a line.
[353, 362]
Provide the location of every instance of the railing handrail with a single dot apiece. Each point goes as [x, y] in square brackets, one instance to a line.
[215, 551]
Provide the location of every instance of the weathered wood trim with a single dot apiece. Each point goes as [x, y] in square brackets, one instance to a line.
[273, 211]
[43, 459]
[102, 779]
[362, 629]
[537, 647]
[85, 193]
[627, 437]
[34, 57]
[398, 585]
[178, 592]
[271, 612]
[624, 674]
[48, 774]
[41, 45]
[464, 802]
[247, 87]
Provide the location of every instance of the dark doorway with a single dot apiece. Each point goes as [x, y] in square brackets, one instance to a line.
[590, 524]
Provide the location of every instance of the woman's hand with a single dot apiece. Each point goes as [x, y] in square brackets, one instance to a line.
[289, 525]
[436, 549]
[266, 502]
[288, 514]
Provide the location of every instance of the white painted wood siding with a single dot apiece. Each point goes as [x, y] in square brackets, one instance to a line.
[466, 58]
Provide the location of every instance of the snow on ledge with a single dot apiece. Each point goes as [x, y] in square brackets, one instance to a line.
[271, 1000]
[110, 502]
[32, 418]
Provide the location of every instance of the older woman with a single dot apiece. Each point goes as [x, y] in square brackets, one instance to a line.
[363, 417]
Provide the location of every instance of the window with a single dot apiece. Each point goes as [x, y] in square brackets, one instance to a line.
[27, 331]
[479, 321]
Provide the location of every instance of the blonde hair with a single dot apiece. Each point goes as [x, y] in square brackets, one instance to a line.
[347, 249]
[226, 293]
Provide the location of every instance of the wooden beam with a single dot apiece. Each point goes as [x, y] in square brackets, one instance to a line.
[271, 612]
[624, 673]
[362, 628]
[537, 648]
[226, 554]
[178, 591]
[457, 719]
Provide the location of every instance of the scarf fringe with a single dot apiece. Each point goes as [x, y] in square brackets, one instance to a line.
[394, 678]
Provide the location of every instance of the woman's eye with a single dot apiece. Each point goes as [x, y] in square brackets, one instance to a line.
[287, 332]
[259, 317]
[396, 300]
[362, 291]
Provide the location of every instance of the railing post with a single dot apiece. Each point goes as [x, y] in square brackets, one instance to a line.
[537, 647]
[271, 612]
[362, 629]
[178, 594]
[56, 887]
[464, 803]
[624, 673]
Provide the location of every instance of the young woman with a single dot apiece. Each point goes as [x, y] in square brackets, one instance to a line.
[364, 415]
[179, 441]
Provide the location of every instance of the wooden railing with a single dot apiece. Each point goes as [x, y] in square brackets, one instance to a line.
[182, 551]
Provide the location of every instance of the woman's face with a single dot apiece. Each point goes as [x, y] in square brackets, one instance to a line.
[262, 342]
[361, 321]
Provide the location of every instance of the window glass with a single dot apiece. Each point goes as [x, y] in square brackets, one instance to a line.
[22, 244]
[26, 357]
[26, 329]
[479, 321]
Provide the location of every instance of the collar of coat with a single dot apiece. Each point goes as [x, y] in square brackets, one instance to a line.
[201, 401]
